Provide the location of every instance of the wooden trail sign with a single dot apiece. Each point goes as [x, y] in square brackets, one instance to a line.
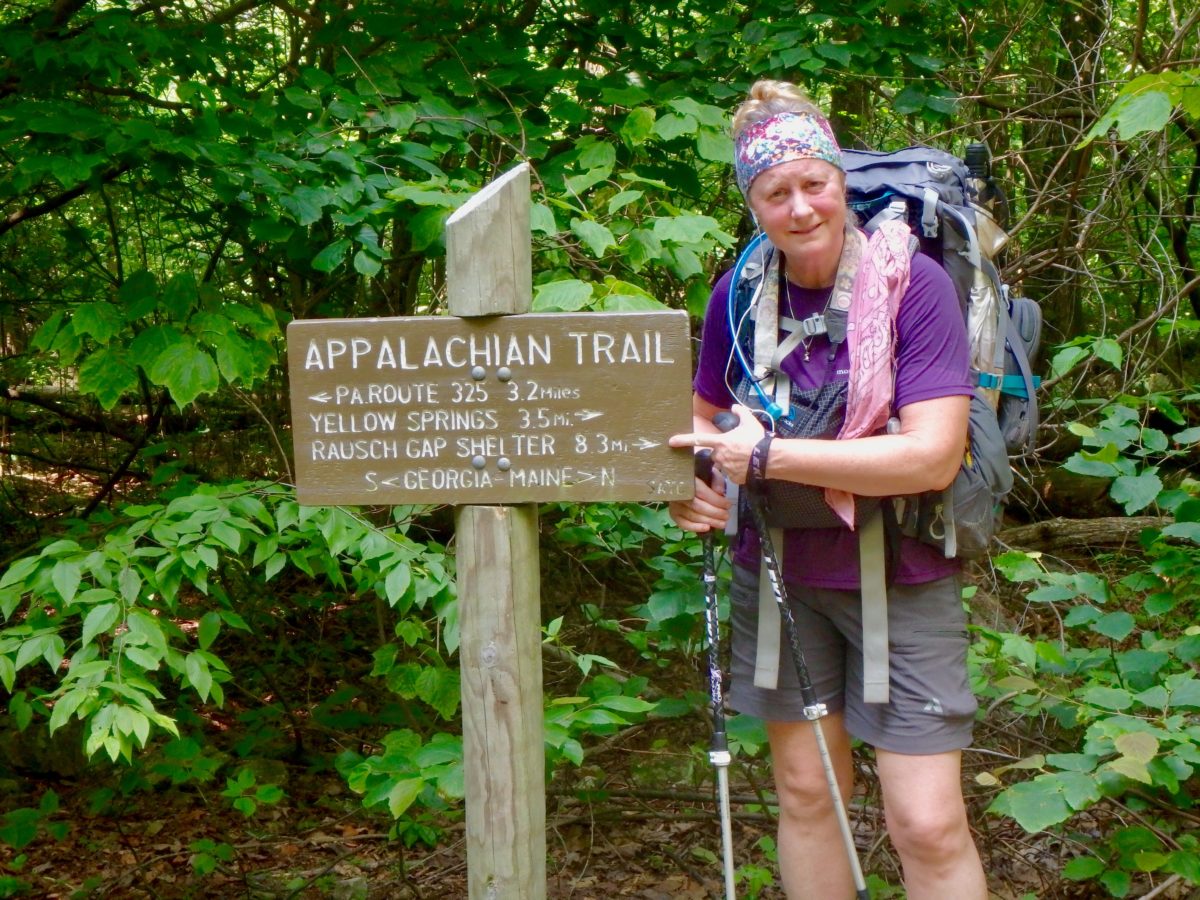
[496, 409]
[493, 405]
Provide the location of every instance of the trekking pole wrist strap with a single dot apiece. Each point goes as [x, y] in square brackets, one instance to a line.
[757, 474]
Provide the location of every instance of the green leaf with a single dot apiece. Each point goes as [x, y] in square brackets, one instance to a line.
[1109, 351]
[306, 204]
[1083, 868]
[1150, 861]
[705, 114]
[1066, 359]
[1185, 690]
[1091, 586]
[65, 706]
[1106, 697]
[839, 53]
[108, 374]
[579, 184]
[686, 228]
[237, 359]
[1035, 805]
[8, 673]
[1073, 762]
[1133, 114]
[19, 827]
[130, 584]
[226, 535]
[1116, 882]
[179, 296]
[1052, 593]
[187, 371]
[1185, 862]
[1016, 683]
[595, 236]
[618, 301]
[367, 264]
[99, 618]
[596, 154]
[1116, 625]
[541, 219]
[642, 247]
[397, 583]
[1137, 745]
[1154, 441]
[620, 703]
[928, 63]
[332, 256]
[713, 145]
[209, 628]
[1130, 768]
[1187, 530]
[910, 100]
[101, 320]
[673, 125]
[66, 577]
[439, 686]
[1017, 565]
[426, 227]
[1080, 464]
[622, 199]
[562, 296]
[638, 126]
[197, 674]
[400, 796]
[1136, 492]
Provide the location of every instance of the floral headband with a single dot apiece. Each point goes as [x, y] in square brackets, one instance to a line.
[781, 138]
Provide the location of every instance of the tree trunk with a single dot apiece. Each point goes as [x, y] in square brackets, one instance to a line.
[1108, 533]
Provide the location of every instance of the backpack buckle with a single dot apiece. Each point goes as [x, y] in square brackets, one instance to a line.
[813, 326]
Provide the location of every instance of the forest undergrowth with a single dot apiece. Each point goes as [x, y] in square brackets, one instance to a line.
[249, 802]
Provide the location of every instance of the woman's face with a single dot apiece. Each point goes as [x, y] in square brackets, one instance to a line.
[801, 205]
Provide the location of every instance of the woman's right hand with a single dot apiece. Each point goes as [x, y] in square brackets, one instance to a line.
[707, 510]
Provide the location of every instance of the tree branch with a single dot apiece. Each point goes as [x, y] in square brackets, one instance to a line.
[59, 200]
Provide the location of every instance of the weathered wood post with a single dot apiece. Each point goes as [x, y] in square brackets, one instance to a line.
[488, 272]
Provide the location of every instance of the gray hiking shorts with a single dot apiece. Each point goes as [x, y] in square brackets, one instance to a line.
[931, 710]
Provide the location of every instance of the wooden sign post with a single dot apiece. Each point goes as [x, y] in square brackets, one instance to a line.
[488, 271]
[494, 409]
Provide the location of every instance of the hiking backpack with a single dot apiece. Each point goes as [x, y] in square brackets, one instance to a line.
[945, 202]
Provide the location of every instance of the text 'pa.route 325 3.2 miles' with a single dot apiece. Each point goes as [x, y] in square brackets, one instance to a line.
[499, 409]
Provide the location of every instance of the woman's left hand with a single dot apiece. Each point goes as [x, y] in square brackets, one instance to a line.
[731, 449]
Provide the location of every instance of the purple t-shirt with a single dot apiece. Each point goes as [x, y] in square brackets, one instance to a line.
[931, 362]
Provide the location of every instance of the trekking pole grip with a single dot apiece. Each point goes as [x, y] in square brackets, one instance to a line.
[725, 421]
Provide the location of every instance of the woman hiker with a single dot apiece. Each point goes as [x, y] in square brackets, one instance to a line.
[878, 415]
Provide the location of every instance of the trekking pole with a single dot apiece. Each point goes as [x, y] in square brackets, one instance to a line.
[718, 748]
[814, 710]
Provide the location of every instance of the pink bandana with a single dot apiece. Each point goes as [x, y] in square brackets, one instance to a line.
[881, 282]
[781, 138]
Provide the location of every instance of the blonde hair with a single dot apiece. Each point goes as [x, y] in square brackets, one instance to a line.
[768, 98]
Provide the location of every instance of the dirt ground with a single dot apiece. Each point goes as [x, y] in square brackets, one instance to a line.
[608, 835]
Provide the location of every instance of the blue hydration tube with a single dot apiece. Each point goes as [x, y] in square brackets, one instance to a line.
[771, 408]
